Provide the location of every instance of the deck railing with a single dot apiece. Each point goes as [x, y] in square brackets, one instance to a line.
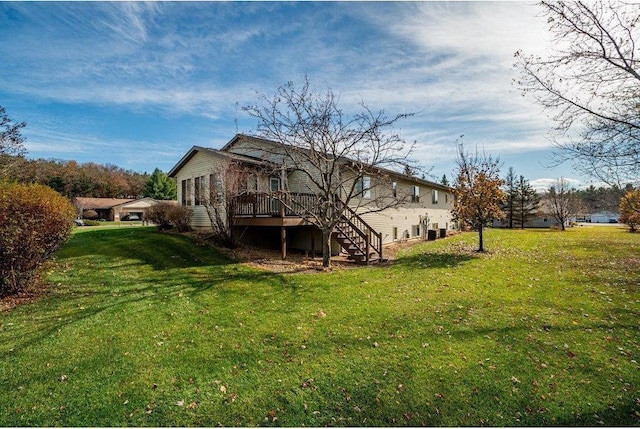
[275, 204]
[284, 204]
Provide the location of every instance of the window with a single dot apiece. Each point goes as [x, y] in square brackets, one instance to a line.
[394, 189]
[395, 233]
[415, 197]
[446, 197]
[186, 192]
[434, 196]
[199, 192]
[363, 187]
[274, 184]
[215, 186]
[415, 230]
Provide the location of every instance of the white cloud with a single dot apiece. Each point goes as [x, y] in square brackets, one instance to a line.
[543, 185]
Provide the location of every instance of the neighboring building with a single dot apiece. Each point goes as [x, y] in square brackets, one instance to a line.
[544, 219]
[603, 217]
[114, 209]
[261, 219]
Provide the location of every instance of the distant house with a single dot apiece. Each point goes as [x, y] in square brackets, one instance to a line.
[260, 217]
[114, 209]
[604, 217]
[543, 219]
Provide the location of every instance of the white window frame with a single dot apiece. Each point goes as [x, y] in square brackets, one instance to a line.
[363, 187]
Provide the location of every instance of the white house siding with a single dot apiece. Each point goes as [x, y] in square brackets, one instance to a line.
[201, 164]
[412, 218]
[411, 222]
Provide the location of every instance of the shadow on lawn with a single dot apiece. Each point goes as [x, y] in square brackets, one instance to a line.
[434, 260]
[181, 268]
[160, 250]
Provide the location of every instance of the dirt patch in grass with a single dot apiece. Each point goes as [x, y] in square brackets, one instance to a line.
[296, 261]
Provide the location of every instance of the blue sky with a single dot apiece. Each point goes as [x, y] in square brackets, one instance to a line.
[138, 84]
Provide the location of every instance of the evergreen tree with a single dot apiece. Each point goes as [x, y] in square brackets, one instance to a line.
[160, 187]
[527, 201]
[511, 193]
[444, 181]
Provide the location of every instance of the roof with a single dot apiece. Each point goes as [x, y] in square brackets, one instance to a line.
[401, 176]
[100, 203]
[215, 152]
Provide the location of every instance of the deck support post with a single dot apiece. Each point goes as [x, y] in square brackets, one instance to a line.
[313, 243]
[283, 242]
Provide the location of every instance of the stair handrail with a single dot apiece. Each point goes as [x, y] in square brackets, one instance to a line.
[376, 244]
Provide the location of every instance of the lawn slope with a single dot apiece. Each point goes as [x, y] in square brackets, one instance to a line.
[147, 329]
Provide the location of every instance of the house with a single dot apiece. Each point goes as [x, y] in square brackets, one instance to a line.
[114, 209]
[604, 217]
[271, 202]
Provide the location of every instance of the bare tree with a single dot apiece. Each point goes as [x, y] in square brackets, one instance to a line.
[590, 84]
[477, 187]
[342, 157]
[11, 141]
[562, 202]
[217, 193]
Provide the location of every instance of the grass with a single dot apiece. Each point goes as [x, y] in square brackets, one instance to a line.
[147, 329]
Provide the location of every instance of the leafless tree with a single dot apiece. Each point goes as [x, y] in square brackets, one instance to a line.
[338, 155]
[590, 84]
[562, 202]
[11, 141]
[217, 193]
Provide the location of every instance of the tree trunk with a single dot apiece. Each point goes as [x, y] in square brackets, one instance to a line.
[480, 238]
[326, 248]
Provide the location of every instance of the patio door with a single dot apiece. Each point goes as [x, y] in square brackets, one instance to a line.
[275, 185]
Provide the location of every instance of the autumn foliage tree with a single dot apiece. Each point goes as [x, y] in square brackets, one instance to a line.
[73, 179]
[479, 196]
[34, 222]
[630, 209]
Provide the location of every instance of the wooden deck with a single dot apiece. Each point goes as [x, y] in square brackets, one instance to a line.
[288, 209]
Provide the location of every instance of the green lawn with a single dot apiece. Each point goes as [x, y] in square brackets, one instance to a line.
[147, 329]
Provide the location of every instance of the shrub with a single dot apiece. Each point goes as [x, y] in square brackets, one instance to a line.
[34, 222]
[92, 223]
[180, 217]
[90, 214]
[168, 215]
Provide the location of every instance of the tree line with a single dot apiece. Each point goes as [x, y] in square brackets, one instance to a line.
[72, 179]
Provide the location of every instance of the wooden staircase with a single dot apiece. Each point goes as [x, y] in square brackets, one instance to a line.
[358, 239]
